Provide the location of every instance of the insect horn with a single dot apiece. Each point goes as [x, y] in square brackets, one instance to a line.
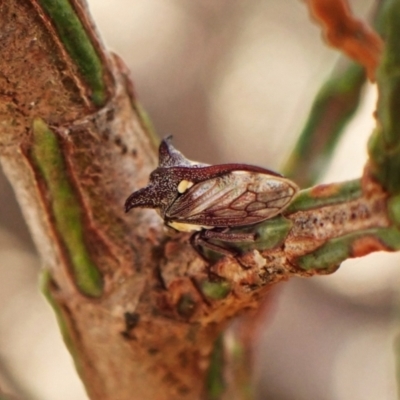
[169, 156]
[145, 197]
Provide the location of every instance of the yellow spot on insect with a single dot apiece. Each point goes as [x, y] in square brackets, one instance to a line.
[182, 227]
[184, 185]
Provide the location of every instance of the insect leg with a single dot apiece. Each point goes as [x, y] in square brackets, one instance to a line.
[198, 239]
[228, 236]
[202, 239]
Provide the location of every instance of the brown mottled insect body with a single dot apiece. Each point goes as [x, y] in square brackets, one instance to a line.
[210, 199]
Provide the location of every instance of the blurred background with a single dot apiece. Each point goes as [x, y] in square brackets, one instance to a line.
[233, 81]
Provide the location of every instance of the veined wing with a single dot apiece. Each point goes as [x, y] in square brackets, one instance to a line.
[234, 199]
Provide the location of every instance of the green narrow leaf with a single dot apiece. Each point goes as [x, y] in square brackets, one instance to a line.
[66, 209]
[79, 46]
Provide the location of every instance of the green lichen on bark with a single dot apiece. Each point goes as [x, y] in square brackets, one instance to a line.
[311, 198]
[394, 209]
[65, 207]
[215, 290]
[384, 145]
[45, 286]
[79, 46]
[215, 382]
[331, 254]
[339, 249]
[333, 108]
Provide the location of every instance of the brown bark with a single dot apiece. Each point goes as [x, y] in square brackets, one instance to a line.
[123, 342]
[150, 332]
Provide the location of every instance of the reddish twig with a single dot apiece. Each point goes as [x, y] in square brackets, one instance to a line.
[347, 33]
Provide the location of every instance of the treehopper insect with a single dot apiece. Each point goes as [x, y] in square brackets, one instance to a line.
[210, 199]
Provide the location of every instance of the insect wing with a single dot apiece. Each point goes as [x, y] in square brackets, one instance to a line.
[234, 199]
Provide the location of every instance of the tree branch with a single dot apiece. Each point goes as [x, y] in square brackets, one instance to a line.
[139, 311]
